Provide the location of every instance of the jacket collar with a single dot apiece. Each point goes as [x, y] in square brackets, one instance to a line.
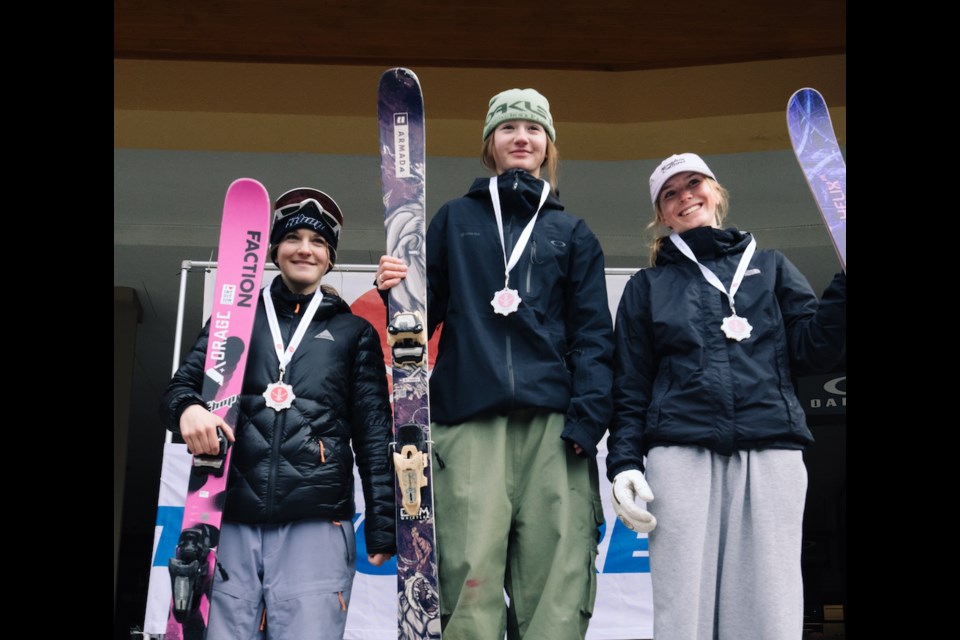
[706, 243]
[286, 301]
[519, 193]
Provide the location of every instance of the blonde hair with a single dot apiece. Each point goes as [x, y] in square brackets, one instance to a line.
[551, 161]
[723, 206]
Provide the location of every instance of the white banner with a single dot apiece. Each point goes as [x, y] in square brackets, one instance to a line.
[174, 478]
[624, 605]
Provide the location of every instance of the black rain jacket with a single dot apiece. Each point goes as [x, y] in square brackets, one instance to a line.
[555, 351]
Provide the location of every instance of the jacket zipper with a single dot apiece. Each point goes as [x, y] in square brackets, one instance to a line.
[510, 378]
[510, 370]
[278, 433]
[533, 256]
[274, 465]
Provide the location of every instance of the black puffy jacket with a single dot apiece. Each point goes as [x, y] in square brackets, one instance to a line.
[279, 471]
[680, 381]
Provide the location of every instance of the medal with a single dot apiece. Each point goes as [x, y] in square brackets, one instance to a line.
[505, 301]
[279, 396]
[736, 328]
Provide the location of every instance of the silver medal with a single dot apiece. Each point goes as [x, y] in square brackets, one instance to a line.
[505, 301]
[736, 328]
[279, 396]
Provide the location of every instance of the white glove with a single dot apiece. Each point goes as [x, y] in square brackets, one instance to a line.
[627, 487]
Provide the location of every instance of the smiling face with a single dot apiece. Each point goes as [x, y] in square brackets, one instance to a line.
[519, 144]
[686, 201]
[303, 260]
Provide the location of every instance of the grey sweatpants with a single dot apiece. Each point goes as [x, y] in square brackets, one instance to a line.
[302, 571]
[725, 556]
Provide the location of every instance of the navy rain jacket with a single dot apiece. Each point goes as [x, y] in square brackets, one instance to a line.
[555, 351]
[680, 381]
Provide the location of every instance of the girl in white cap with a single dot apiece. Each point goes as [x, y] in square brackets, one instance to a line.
[314, 393]
[520, 393]
[706, 342]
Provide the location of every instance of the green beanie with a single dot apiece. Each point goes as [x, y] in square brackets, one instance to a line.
[519, 104]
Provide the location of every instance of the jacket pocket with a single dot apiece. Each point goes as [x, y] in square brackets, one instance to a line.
[545, 266]
[662, 387]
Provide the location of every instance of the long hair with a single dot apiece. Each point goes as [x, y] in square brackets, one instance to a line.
[723, 206]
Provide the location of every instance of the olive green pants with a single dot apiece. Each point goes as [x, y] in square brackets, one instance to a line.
[516, 510]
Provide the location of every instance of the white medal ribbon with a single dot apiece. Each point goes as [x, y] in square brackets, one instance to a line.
[712, 278]
[507, 300]
[285, 355]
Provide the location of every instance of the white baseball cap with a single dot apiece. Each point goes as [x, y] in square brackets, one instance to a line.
[672, 166]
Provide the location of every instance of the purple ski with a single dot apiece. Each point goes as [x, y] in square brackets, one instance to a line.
[402, 156]
[244, 234]
[817, 151]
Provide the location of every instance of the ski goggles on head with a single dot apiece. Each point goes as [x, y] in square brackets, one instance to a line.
[307, 208]
[312, 208]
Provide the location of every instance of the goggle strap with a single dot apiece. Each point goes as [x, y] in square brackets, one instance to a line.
[284, 212]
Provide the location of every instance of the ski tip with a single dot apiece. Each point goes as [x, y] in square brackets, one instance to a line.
[399, 71]
[400, 74]
[246, 182]
[806, 93]
[250, 193]
[248, 188]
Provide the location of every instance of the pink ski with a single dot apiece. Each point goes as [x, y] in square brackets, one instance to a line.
[244, 236]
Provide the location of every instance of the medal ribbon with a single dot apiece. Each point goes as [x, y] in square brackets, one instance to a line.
[284, 356]
[710, 276]
[524, 237]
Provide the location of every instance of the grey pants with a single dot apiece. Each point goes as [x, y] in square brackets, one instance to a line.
[301, 571]
[725, 556]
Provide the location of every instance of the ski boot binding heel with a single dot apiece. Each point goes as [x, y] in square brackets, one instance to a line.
[409, 464]
[407, 338]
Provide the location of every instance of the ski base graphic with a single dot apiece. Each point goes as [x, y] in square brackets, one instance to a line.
[403, 154]
[815, 145]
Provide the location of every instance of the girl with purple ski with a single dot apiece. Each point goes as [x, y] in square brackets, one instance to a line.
[520, 393]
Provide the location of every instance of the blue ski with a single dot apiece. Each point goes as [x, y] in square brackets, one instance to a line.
[817, 151]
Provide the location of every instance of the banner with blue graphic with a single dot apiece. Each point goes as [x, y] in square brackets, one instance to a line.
[174, 477]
